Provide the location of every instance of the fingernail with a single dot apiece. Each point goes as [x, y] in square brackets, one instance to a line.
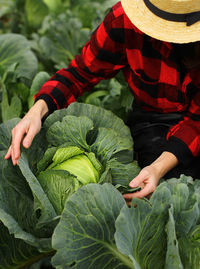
[26, 144]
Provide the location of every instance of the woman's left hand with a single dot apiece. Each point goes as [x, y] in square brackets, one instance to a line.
[147, 180]
[150, 176]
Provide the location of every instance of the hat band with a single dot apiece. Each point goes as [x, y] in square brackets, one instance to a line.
[189, 18]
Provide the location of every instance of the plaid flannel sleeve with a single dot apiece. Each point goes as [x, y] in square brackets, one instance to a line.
[184, 138]
[102, 57]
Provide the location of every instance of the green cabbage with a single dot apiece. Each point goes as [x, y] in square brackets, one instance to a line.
[73, 160]
[84, 147]
[70, 168]
[81, 167]
[76, 146]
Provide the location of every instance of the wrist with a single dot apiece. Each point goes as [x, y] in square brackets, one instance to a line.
[164, 163]
[40, 108]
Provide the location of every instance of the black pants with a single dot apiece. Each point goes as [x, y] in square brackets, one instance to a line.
[149, 131]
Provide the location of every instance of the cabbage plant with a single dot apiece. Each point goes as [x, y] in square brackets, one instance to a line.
[86, 144]
[98, 230]
[34, 193]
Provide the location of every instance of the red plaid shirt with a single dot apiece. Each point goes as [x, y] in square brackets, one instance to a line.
[150, 69]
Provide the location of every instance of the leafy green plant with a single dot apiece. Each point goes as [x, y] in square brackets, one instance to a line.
[97, 229]
[62, 38]
[16, 97]
[15, 48]
[113, 95]
[11, 16]
[35, 12]
[18, 67]
[40, 190]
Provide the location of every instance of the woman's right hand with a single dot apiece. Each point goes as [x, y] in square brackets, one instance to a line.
[26, 129]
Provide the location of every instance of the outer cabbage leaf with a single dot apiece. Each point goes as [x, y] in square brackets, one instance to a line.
[121, 174]
[108, 143]
[99, 116]
[186, 215]
[84, 238]
[15, 253]
[17, 195]
[186, 210]
[140, 230]
[46, 159]
[58, 185]
[189, 248]
[173, 260]
[183, 249]
[5, 133]
[43, 204]
[72, 130]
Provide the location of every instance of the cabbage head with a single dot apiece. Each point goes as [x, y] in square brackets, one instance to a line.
[86, 144]
[85, 167]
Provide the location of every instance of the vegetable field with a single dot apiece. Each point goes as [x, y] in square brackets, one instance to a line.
[62, 206]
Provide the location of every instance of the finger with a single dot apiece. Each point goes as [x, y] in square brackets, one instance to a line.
[14, 161]
[148, 189]
[128, 196]
[17, 137]
[28, 139]
[8, 154]
[138, 179]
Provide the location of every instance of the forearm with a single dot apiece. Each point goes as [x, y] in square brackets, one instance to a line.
[40, 108]
[164, 163]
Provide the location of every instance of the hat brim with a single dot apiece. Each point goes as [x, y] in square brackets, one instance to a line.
[161, 29]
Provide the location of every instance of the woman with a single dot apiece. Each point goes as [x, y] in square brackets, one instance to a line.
[145, 39]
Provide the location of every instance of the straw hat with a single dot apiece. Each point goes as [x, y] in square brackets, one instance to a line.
[175, 21]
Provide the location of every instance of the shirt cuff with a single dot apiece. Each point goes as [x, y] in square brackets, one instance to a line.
[180, 150]
[49, 101]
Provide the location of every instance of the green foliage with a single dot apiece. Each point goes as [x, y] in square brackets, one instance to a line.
[35, 12]
[162, 232]
[10, 16]
[62, 38]
[37, 83]
[50, 34]
[92, 225]
[15, 48]
[89, 240]
[40, 191]
[112, 94]
[15, 252]
[16, 97]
